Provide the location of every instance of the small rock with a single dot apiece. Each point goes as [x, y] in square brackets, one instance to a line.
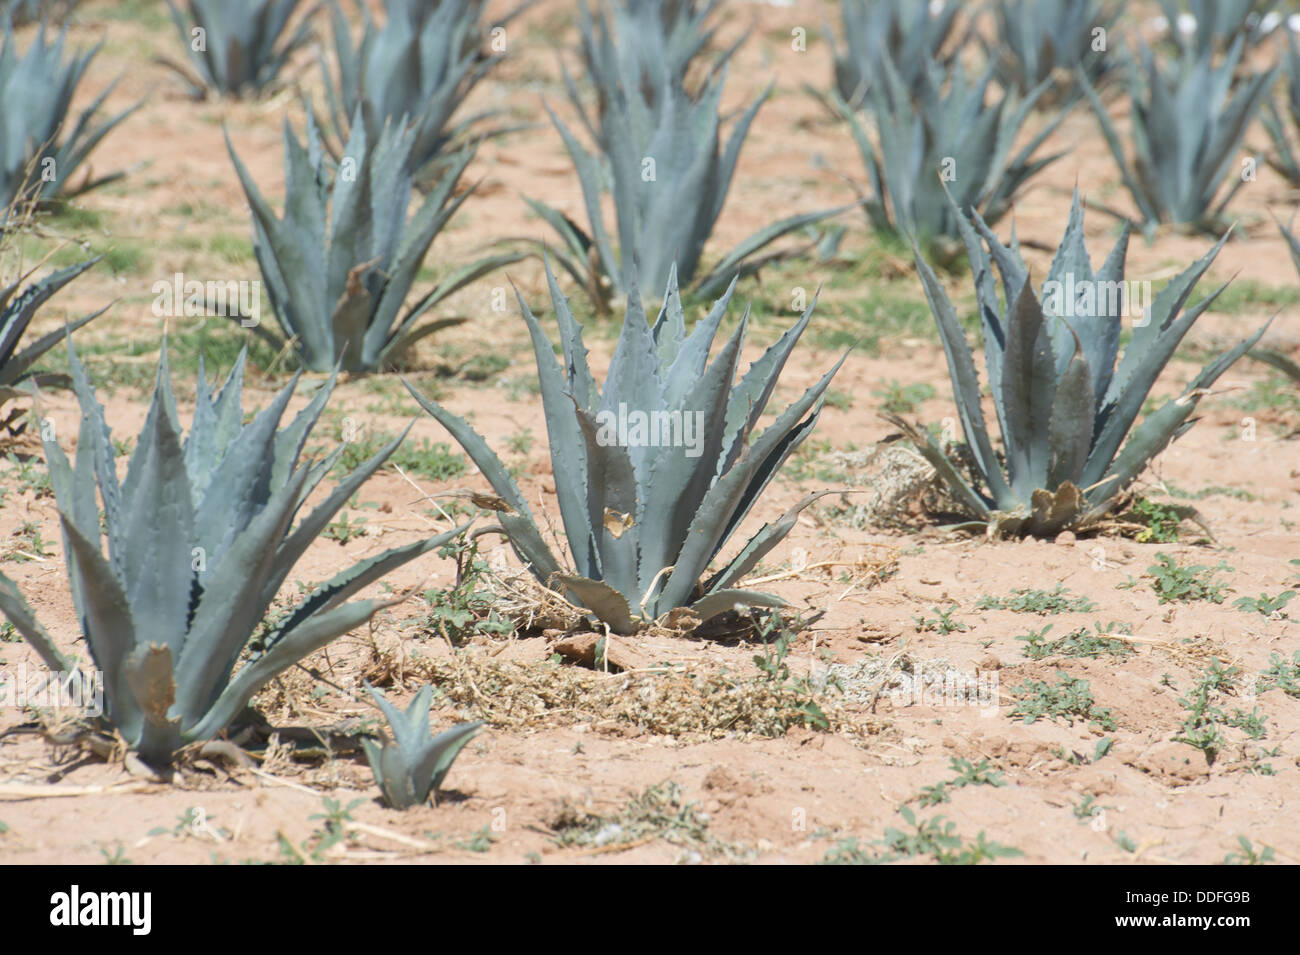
[1066, 538]
[721, 777]
[1173, 760]
[990, 662]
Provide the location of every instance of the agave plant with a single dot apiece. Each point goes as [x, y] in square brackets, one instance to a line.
[16, 312]
[1210, 26]
[236, 47]
[1042, 40]
[42, 143]
[1285, 160]
[1063, 406]
[1187, 126]
[200, 541]
[660, 156]
[1283, 363]
[905, 34]
[952, 135]
[339, 266]
[655, 471]
[414, 765]
[417, 69]
[653, 37]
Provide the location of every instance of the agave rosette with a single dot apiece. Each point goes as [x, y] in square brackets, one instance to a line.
[643, 522]
[413, 765]
[1064, 407]
[200, 537]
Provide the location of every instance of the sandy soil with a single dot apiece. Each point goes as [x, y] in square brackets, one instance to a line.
[542, 768]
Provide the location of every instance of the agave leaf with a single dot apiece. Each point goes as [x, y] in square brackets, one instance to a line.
[1277, 360]
[1028, 386]
[768, 536]
[442, 751]
[1162, 425]
[675, 482]
[1070, 429]
[609, 606]
[1145, 357]
[410, 728]
[575, 240]
[107, 624]
[233, 602]
[16, 609]
[961, 366]
[731, 496]
[932, 453]
[157, 493]
[303, 640]
[612, 489]
[723, 600]
[524, 535]
[568, 449]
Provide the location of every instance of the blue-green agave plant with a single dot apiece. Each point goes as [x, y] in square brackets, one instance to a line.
[201, 537]
[417, 69]
[655, 471]
[237, 47]
[17, 308]
[340, 264]
[412, 767]
[951, 135]
[661, 158]
[1071, 443]
[42, 140]
[905, 34]
[1052, 40]
[1187, 125]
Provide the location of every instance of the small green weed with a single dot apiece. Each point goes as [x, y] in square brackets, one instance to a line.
[1069, 699]
[1172, 582]
[1043, 602]
[1079, 643]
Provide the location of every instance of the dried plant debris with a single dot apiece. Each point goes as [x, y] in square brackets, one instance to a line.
[691, 704]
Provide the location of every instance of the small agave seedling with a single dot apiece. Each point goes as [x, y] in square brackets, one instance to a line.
[42, 142]
[236, 47]
[16, 312]
[413, 766]
[1187, 126]
[953, 134]
[659, 154]
[1063, 406]
[418, 68]
[340, 264]
[906, 34]
[201, 538]
[1042, 40]
[657, 470]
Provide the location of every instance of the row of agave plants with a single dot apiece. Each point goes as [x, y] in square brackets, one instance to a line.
[206, 525]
